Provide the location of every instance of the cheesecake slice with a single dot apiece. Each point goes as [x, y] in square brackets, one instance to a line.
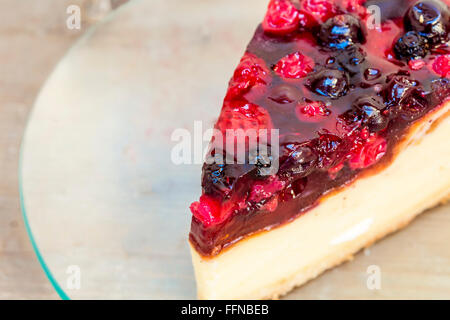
[334, 132]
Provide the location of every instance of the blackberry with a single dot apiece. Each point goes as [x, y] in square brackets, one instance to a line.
[341, 32]
[411, 46]
[330, 83]
[430, 19]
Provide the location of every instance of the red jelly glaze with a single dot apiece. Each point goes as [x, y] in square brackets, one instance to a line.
[340, 107]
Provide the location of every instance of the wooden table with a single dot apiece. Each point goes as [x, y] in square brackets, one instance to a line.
[34, 36]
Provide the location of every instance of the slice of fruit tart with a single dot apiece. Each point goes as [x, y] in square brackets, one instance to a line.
[350, 102]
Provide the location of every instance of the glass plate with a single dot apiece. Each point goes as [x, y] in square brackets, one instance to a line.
[106, 208]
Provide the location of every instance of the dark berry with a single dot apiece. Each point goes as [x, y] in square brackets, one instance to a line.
[262, 161]
[340, 32]
[411, 46]
[370, 109]
[219, 175]
[330, 150]
[413, 105]
[351, 60]
[430, 19]
[329, 83]
[441, 89]
[299, 163]
[372, 74]
[397, 89]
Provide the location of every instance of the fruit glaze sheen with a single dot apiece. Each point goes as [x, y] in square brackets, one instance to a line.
[342, 92]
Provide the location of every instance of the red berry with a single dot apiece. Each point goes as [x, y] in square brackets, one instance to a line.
[294, 66]
[250, 72]
[207, 210]
[441, 65]
[313, 111]
[319, 9]
[271, 205]
[367, 149]
[265, 189]
[416, 64]
[240, 114]
[281, 17]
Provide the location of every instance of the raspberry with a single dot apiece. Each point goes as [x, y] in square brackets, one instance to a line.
[416, 64]
[281, 17]
[306, 20]
[313, 111]
[271, 205]
[319, 9]
[207, 210]
[250, 72]
[294, 66]
[441, 65]
[367, 149]
[240, 114]
[265, 189]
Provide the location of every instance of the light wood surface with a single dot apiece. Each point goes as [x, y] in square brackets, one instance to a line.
[33, 37]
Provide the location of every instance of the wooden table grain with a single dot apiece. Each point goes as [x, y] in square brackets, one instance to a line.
[34, 36]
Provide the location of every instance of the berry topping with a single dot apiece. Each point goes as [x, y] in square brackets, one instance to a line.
[294, 66]
[416, 64]
[397, 89]
[285, 93]
[207, 210]
[330, 150]
[371, 74]
[265, 189]
[219, 178]
[251, 72]
[319, 9]
[341, 92]
[282, 17]
[340, 32]
[411, 46]
[370, 110]
[367, 149]
[441, 65]
[312, 111]
[299, 162]
[351, 60]
[329, 83]
[430, 19]
[413, 105]
[240, 114]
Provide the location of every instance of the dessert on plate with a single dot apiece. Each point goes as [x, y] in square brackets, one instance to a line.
[358, 97]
